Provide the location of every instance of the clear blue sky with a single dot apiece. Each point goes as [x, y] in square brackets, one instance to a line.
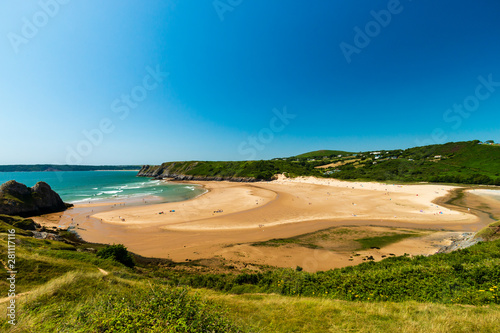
[68, 66]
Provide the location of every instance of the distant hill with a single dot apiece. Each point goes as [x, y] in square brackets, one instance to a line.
[468, 162]
[324, 153]
[55, 167]
[232, 171]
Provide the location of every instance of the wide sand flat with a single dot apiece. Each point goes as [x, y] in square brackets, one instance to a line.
[231, 206]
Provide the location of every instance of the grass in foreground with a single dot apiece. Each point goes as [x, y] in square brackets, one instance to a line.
[93, 302]
[65, 290]
[275, 313]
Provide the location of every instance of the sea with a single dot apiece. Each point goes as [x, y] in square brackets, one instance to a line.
[104, 186]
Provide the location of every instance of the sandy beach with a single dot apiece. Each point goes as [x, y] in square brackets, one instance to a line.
[230, 216]
[231, 206]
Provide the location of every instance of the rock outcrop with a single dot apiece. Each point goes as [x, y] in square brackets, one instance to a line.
[19, 200]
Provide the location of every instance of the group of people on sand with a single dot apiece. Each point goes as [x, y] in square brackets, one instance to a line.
[218, 211]
[170, 211]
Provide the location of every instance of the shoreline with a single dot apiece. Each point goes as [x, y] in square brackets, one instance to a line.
[256, 212]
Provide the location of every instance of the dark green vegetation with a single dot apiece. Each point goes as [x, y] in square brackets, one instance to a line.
[457, 162]
[57, 167]
[469, 276]
[261, 170]
[117, 252]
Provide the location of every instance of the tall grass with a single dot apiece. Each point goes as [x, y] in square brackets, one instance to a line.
[92, 302]
[275, 313]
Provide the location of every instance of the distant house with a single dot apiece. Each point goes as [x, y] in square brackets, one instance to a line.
[437, 156]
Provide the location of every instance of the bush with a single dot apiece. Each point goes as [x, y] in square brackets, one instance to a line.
[117, 252]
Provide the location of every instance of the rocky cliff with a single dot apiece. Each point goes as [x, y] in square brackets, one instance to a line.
[19, 200]
[185, 171]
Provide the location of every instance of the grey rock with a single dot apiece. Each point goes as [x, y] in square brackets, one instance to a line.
[464, 241]
[46, 235]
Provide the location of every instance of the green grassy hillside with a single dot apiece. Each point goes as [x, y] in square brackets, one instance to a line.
[456, 162]
[259, 170]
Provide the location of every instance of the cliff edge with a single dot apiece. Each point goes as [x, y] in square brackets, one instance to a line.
[191, 171]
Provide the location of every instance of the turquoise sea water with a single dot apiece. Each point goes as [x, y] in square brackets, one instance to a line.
[94, 186]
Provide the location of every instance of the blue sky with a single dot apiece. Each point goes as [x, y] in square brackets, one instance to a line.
[130, 82]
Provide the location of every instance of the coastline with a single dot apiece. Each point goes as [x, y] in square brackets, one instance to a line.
[257, 212]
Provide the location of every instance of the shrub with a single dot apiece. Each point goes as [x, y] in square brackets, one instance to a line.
[117, 252]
